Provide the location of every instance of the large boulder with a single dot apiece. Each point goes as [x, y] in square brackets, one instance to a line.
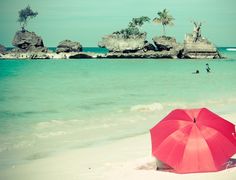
[117, 43]
[26, 41]
[69, 46]
[199, 49]
[2, 49]
[165, 43]
[83, 55]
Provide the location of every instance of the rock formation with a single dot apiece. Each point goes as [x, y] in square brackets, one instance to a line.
[198, 47]
[127, 40]
[165, 43]
[26, 41]
[69, 46]
[148, 47]
[39, 55]
[116, 43]
[82, 55]
[127, 43]
[2, 49]
[140, 55]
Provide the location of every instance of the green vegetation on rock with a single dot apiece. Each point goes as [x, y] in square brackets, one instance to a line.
[24, 16]
[133, 28]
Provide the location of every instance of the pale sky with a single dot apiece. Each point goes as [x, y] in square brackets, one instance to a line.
[87, 21]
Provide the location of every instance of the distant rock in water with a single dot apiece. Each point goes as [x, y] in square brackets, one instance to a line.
[172, 54]
[69, 46]
[116, 43]
[2, 49]
[198, 47]
[83, 55]
[26, 41]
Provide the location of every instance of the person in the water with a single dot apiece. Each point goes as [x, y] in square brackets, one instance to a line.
[208, 69]
[196, 72]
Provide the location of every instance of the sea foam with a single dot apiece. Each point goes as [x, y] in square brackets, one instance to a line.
[147, 107]
[231, 49]
[55, 123]
[51, 134]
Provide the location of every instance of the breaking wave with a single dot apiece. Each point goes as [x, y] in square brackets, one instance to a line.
[147, 107]
[231, 49]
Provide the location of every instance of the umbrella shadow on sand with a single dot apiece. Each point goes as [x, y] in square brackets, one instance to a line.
[152, 166]
[230, 164]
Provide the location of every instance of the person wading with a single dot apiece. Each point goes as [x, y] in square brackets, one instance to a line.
[208, 69]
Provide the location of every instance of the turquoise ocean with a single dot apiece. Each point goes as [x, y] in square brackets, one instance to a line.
[50, 106]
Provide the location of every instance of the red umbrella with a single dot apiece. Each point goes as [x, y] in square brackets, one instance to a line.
[193, 140]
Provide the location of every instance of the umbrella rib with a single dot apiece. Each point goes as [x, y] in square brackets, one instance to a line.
[221, 135]
[188, 115]
[185, 146]
[219, 132]
[171, 135]
[177, 120]
[169, 154]
[197, 146]
[210, 147]
[183, 126]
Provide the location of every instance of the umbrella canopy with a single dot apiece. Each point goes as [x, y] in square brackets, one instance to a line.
[193, 140]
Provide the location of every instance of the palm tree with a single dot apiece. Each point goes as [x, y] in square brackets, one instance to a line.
[164, 18]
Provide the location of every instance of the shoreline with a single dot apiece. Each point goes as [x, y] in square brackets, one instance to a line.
[110, 55]
[124, 159]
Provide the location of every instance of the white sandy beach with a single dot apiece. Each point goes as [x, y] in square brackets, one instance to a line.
[119, 160]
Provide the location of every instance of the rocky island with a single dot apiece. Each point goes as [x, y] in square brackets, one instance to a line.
[198, 47]
[130, 42]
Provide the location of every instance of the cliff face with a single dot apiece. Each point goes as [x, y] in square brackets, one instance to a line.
[2, 49]
[165, 43]
[69, 46]
[198, 47]
[26, 41]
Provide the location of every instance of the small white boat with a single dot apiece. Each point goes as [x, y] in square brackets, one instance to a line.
[231, 49]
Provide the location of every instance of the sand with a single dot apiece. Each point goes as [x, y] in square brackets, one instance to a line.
[126, 159]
